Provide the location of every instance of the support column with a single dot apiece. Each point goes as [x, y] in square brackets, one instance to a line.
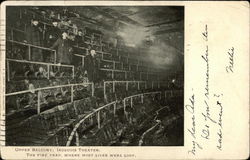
[48, 69]
[38, 101]
[114, 109]
[104, 91]
[55, 57]
[131, 102]
[77, 138]
[83, 61]
[29, 52]
[72, 93]
[113, 86]
[113, 64]
[73, 72]
[93, 89]
[124, 109]
[98, 119]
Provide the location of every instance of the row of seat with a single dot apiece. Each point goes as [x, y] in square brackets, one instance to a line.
[38, 71]
[168, 133]
[123, 90]
[56, 122]
[47, 124]
[21, 85]
[114, 130]
[48, 98]
[55, 96]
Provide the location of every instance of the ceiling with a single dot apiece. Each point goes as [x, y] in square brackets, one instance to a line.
[141, 16]
[147, 15]
[162, 22]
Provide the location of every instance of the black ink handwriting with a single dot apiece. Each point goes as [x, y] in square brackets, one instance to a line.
[193, 151]
[230, 67]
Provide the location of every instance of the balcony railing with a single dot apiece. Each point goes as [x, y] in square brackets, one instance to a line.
[130, 98]
[139, 63]
[38, 92]
[117, 82]
[153, 85]
[98, 113]
[141, 141]
[34, 46]
[39, 63]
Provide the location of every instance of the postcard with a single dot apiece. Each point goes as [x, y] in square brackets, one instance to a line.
[130, 80]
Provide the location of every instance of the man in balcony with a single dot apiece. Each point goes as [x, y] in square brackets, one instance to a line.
[79, 39]
[52, 33]
[64, 49]
[34, 37]
[91, 66]
[79, 42]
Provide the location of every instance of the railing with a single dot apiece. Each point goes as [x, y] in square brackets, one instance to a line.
[113, 70]
[47, 24]
[141, 141]
[97, 111]
[34, 46]
[137, 95]
[38, 90]
[129, 71]
[17, 30]
[82, 57]
[40, 63]
[154, 84]
[169, 93]
[146, 132]
[115, 82]
[138, 64]
[62, 65]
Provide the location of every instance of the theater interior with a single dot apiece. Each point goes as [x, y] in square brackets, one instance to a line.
[94, 76]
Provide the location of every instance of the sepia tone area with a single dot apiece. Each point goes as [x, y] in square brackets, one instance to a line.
[94, 76]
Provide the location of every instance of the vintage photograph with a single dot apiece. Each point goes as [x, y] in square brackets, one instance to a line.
[94, 76]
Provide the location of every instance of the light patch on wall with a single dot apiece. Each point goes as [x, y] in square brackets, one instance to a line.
[162, 54]
[133, 36]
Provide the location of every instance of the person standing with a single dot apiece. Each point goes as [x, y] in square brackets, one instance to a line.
[53, 33]
[34, 37]
[64, 49]
[91, 66]
[79, 42]
[79, 39]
